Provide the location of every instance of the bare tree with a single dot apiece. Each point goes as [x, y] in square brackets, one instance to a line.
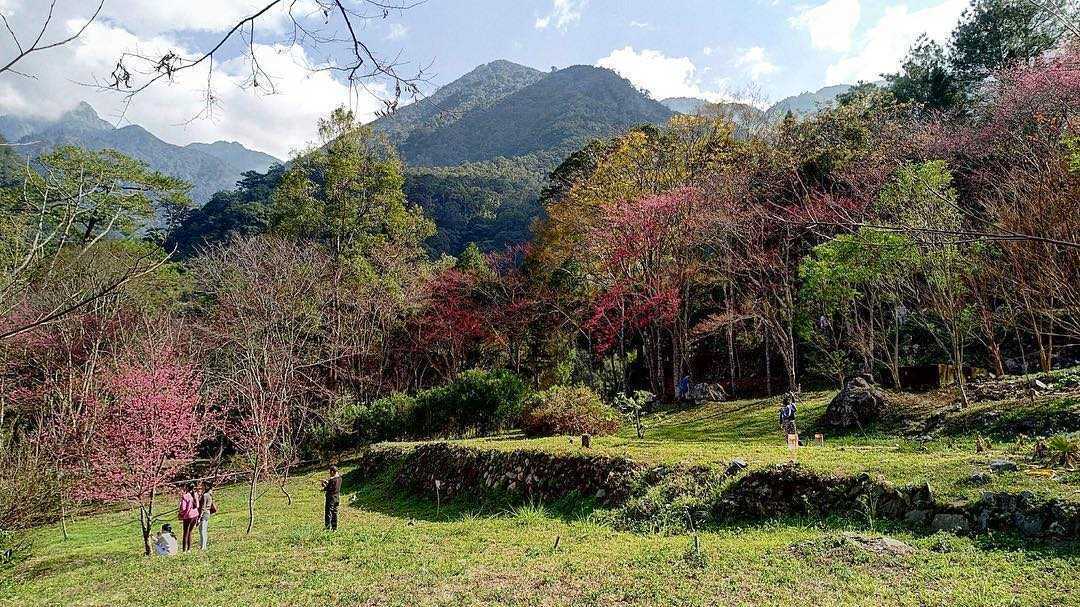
[40, 41]
[332, 26]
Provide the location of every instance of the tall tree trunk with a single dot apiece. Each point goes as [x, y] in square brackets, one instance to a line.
[768, 367]
[63, 502]
[958, 361]
[894, 362]
[252, 487]
[146, 519]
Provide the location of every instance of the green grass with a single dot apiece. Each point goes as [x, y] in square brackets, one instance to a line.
[396, 551]
[716, 433]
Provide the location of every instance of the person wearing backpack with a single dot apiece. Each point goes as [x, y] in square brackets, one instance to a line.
[787, 416]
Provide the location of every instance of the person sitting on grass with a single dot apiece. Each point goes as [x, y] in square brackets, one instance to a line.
[165, 542]
[331, 486]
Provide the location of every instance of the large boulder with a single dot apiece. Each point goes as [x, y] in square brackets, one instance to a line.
[857, 404]
[706, 393]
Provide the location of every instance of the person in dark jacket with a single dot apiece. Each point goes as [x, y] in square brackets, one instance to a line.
[682, 390]
[332, 488]
[787, 416]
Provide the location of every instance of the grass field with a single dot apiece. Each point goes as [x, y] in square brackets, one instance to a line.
[747, 429]
[396, 550]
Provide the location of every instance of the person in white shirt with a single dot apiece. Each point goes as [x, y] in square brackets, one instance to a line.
[206, 508]
[165, 542]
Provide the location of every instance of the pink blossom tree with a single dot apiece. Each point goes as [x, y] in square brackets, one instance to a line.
[149, 419]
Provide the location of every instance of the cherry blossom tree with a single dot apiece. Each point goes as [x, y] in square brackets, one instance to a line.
[150, 419]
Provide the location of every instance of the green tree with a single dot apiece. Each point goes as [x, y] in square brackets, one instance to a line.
[923, 202]
[926, 78]
[993, 34]
[855, 287]
[89, 193]
[73, 206]
[242, 212]
[347, 194]
[472, 260]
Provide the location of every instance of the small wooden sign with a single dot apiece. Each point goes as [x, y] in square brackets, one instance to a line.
[819, 440]
[793, 441]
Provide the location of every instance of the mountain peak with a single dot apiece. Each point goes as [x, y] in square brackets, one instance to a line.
[83, 116]
[552, 115]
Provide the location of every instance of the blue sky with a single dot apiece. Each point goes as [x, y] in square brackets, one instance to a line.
[762, 50]
[777, 48]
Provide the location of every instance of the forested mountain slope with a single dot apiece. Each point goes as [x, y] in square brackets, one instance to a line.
[208, 167]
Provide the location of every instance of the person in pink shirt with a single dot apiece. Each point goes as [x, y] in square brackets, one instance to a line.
[189, 514]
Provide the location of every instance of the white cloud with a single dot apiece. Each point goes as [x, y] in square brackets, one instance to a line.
[564, 13]
[708, 50]
[831, 25]
[659, 74]
[756, 62]
[397, 31]
[881, 49]
[276, 123]
[644, 25]
[194, 15]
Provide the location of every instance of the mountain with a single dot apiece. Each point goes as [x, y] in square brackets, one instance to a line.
[236, 156]
[800, 105]
[208, 167]
[552, 116]
[479, 149]
[683, 105]
[808, 102]
[479, 89]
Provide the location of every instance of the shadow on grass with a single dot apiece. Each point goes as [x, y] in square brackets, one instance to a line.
[380, 495]
[57, 565]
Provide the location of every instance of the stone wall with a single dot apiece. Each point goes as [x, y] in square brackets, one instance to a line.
[765, 493]
[786, 490]
[524, 474]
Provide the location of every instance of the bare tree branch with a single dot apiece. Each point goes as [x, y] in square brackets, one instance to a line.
[38, 44]
[135, 72]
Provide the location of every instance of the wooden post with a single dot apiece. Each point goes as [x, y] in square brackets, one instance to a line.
[586, 441]
[819, 440]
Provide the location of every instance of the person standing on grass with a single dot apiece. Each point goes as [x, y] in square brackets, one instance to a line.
[787, 416]
[207, 507]
[331, 486]
[682, 390]
[189, 514]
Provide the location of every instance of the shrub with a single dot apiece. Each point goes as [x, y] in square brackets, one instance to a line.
[568, 410]
[1064, 449]
[383, 419]
[670, 500]
[476, 402]
[351, 421]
